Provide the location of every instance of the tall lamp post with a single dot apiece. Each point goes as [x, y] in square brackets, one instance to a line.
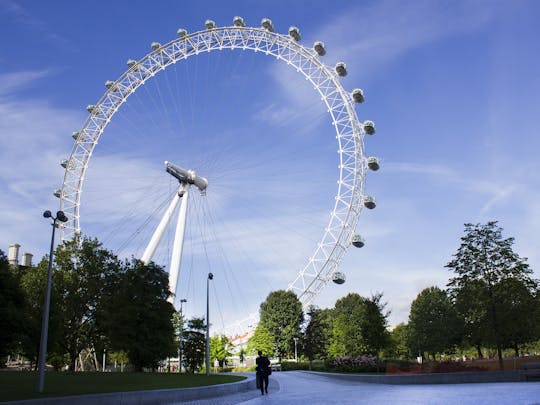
[295, 351]
[60, 216]
[210, 277]
[180, 335]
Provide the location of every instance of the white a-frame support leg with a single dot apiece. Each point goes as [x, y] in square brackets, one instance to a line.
[160, 230]
[178, 244]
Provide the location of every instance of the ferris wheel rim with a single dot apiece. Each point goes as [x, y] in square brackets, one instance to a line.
[349, 134]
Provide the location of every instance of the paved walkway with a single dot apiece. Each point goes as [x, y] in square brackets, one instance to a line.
[295, 387]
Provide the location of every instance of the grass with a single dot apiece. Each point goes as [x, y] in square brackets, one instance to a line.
[18, 385]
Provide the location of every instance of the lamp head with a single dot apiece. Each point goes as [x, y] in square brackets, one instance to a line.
[61, 216]
[210, 276]
[47, 214]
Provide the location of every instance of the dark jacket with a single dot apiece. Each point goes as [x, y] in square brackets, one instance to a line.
[262, 365]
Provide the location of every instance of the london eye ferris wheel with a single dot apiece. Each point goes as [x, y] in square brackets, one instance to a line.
[147, 122]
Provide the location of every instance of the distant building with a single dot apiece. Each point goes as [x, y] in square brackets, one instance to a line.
[13, 256]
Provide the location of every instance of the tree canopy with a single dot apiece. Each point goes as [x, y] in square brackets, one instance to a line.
[281, 314]
[485, 267]
[359, 326]
[194, 344]
[433, 323]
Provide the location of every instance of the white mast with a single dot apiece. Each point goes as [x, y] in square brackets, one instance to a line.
[186, 179]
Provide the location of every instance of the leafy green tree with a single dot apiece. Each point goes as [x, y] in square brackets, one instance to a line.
[375, 325]
[469, 302]
[219, 349]
[140, 317]
[33, 281]
[11, 303]
[485, 259]
[194, 344]
[82, 272]
[398, 347]
[518, 313]
[179, 322]
[433, 323]
[261, 339]
[318, 333]
[282, 315]
[359, 326]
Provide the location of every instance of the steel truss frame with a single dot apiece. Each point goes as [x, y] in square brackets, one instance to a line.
[349, 134]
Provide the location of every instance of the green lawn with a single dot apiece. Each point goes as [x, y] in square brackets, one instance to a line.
[17, 385]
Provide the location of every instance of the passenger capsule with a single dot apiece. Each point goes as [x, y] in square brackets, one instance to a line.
[155, 46]
[373, 163]
[358, 96]
[181, 33]
[319, 48]
[210, 25]
[294, 33]
[267, 24]
[338, 277]
[131, 63]
[64, 163]
[238, 22]
[369, 202]
[75, 134]
[91, 108]
[341, 69]
[369, 127]
[109, 84]
[57, 193]
[358, 241]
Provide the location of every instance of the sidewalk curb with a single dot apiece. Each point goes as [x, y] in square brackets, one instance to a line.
[434, 378]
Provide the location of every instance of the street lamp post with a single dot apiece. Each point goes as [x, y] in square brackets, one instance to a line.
[295, 351]
[210, 277]
[180, 335]
[60, 216]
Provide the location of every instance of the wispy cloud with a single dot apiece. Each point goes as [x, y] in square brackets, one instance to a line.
[34, 137]
[25, 18]
[370, 37]
[11, 82]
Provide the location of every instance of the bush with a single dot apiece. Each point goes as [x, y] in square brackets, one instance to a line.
[358, 364]
[293, 365]
[401, 366]
[452, 367]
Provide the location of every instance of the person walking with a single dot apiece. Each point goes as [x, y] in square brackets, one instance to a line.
[263, 366]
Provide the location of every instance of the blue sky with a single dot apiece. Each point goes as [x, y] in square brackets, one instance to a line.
[451, 85]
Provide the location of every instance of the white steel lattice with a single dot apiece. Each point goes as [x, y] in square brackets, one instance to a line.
[349, 134]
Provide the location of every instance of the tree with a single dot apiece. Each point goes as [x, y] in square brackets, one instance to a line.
[483, 260]
[398, 347]
[374, 325]
[282, 315]
[518, 313]
[433, 323]
[219, 349]
[359, 326]
[11, 303]
[262, 340]
[469, 302]
[194, 344]
[82, 272]
[33, 283]
[140, 317]
[318, 333]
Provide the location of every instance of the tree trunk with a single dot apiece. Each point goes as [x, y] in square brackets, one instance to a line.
[499, 354]
[495, 326]
[479, 351]
[516, 349]
[72, 359]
